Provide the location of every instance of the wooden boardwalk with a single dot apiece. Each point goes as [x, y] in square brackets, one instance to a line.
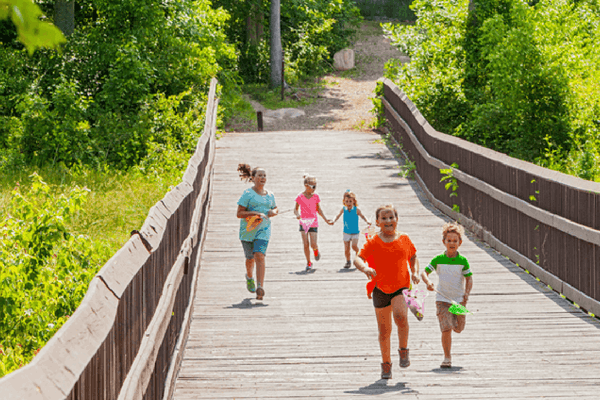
[315, 336]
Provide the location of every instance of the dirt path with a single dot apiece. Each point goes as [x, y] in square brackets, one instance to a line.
[345, 103]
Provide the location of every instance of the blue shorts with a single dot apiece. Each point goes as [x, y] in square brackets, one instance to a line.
[256, 246]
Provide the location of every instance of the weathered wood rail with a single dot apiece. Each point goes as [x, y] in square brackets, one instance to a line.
[545, 221]
[125, 339]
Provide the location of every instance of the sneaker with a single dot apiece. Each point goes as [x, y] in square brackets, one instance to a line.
[404, 360]
[317, 255]
[447, 363]
[250, 285]
[260, 293]
[309, 266]
[347, 265]
[386, 370]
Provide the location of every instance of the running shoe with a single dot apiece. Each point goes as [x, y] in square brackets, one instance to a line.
[347, 265]
[404, 360]
[317, 255]
[386, 370]
[309, 266]
[260, 293]
[250, 285]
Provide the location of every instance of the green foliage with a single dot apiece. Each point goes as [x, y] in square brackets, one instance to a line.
[378, 109]
[131, 79]
[32, 31]
[451, 182]
[44, 269]
[519, 78]
[433, 78]
[311, 32]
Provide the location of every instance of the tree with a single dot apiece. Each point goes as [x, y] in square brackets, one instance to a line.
[276, 50]
[64, 16]
[32, 31]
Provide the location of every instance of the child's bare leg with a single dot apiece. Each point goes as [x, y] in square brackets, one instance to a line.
[347, 250]
[384, 325]
[354, 246]
[259, 258]
[306, 246]
[447, 343]
[250, 267]
[401, 319]
[313, 240]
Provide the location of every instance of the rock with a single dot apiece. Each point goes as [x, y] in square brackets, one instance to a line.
[343, 60]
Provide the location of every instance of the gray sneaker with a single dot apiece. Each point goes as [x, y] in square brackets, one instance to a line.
[404, 360]
[317, 255]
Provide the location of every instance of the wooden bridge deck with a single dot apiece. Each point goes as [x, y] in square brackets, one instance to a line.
[315, 336]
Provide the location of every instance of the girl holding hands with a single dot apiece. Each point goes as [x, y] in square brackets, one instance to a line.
[351, 213]
[306, 209]
[389, 254]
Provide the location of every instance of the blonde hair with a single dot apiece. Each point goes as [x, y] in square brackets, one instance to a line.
[352, 196]
[453, 227]
[308, 178]
[386, 207]
[247, 172]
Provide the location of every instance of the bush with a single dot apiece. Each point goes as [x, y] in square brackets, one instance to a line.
[44, 270]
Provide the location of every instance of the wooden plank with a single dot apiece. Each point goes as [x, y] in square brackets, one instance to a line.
[315, 336]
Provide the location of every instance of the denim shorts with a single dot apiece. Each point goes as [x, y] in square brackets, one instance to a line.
[351, 236]
[256, 246]
[382, 300]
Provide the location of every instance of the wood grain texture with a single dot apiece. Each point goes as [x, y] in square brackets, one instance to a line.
[315, 336]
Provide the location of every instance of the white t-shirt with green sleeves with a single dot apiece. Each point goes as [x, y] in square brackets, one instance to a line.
[452, 273]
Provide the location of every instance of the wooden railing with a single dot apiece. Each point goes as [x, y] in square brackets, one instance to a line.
[545, 221]
[126, 338]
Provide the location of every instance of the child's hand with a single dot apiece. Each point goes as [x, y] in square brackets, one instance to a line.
[415, 279]
[430, 286]
[369, 272]
[330, 222]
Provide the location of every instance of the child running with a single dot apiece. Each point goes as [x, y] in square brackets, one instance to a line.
[351, 213]
[388, 254]
[455, 283]
[306, 210]
[255, 208]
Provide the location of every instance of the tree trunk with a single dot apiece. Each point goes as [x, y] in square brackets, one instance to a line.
[276, 50]
[64, 16]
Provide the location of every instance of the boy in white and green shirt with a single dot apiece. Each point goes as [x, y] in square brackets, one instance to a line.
[454, 284]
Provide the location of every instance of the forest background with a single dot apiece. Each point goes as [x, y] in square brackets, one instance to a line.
[93, 135]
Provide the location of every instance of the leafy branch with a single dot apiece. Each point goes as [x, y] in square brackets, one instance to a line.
[451, 183]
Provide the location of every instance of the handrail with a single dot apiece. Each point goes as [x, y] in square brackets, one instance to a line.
[531, 235]
[121, 340]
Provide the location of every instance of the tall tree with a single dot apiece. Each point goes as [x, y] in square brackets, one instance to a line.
[276, 50]
[64, 16]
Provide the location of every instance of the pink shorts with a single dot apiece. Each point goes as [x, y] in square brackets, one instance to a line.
[449, 321]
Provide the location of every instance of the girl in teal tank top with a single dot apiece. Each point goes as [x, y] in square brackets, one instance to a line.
[351, 213]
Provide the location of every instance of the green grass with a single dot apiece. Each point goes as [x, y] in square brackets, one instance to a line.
[118, 202]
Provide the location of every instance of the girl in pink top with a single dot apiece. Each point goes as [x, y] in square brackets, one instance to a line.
[306, 210]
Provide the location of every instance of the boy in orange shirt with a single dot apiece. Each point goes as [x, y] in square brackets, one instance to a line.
[388, 255]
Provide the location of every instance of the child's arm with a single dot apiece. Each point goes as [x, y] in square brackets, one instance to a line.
[296, 211]
[339, 215]
[425, 277]
[360, 214]
[323, 215]
[360, 265]
[468, 287]
[414, 266]
[242, 212]
[273, 212]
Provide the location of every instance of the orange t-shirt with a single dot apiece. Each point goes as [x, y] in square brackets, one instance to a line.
[390, 261]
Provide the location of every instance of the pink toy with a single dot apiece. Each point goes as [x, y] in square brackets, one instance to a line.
[415, 300]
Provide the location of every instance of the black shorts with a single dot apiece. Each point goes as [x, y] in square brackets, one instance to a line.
[311, 229]
[382, 300]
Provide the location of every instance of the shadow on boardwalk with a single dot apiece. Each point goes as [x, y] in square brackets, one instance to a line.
[315, 336]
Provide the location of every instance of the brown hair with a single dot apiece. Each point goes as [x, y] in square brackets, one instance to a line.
[247, 172]
[386, 207]
[352, 196]
[453, 227]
